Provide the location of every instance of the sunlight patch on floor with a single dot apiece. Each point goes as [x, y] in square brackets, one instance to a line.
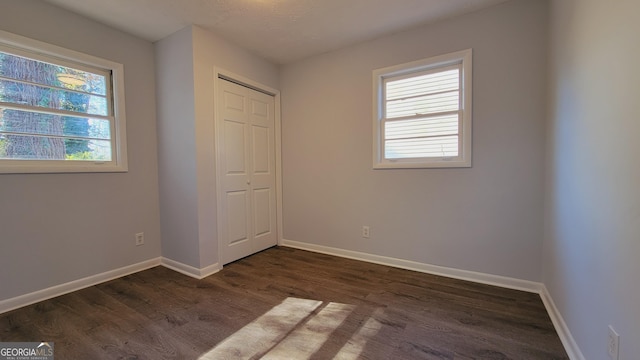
[264, 332]
[294, 329]
[308, 339]
[353, 348]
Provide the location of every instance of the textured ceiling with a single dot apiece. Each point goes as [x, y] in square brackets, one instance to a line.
[279, 30]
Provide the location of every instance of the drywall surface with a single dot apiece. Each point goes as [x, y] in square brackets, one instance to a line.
[488, 218]
[592, 241]
[186, 62]
[57, 228]
[177, 149]
[210, 52]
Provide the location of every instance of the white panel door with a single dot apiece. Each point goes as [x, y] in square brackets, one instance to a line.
[246, 136]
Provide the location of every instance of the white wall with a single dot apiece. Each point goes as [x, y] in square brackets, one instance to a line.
[592, 244]
[487, 218]
[187, 161]
[55, 228]
[177, 148]
[212, 51]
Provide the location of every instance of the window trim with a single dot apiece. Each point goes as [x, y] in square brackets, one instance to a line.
[464, 133]
[47, 52]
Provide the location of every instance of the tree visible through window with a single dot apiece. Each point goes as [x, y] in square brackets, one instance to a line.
[28, 133]
[55, 112]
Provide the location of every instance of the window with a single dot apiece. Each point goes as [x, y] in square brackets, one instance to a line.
[60, 110]
[422, 113]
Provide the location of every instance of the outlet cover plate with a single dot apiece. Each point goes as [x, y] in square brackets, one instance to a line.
[365, 232]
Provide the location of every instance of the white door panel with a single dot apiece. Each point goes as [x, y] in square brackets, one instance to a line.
[237, 225]
[234, 150]
[261, 145]
[261, 206]
[234, 101]
[247, 170]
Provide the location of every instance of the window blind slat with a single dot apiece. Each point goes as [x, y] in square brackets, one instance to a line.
[62, 76]
[424, 105]
[422, 113]
[46, 97]
[431, 93]
[45, 124]
[425, 127]
[37, 147]
[446, 146]
[425, 84]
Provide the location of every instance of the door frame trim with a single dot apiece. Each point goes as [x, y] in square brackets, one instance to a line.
[223, 74]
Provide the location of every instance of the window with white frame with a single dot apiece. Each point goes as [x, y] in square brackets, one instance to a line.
[60, 110]
[422, 113]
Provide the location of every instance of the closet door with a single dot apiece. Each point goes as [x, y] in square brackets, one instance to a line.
[246, 137]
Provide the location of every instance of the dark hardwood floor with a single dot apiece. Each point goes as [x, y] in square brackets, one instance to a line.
[290, 304]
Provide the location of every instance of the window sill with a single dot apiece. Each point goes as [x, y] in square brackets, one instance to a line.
[422, 165]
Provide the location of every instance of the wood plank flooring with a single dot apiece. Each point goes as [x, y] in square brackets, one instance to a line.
[290, 304]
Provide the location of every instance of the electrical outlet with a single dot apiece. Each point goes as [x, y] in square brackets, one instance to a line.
[139, 239]
[613, 344]
[365, 231]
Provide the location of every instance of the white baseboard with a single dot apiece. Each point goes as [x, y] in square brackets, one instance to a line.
[477, 277]
[190, 270]
[561, 327]
[570, 345]
[57, 290]
[51, 292]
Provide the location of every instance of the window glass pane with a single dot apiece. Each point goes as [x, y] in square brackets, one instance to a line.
[423, 105]
[424, 84]
[445, 146]
[45, 97]
[24, 147]
[19, 121]
[425, 127]
[31, 147]
[21, 68]
[62, 137]
[58, 109]
[98, 150]
[422, 113]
